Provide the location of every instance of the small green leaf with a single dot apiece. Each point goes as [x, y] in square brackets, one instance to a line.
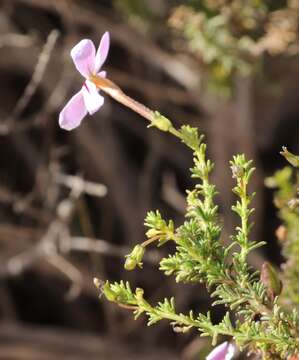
[291, 158]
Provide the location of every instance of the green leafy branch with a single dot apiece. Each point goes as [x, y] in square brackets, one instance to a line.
[261, 325]
[275, 332]
[286, 184]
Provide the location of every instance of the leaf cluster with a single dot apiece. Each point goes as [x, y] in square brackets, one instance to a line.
[286, 184]
[200, 255]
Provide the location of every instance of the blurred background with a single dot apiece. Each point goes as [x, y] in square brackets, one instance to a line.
[72, 204]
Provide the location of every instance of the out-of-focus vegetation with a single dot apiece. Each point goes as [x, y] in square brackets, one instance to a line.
[229, 37]
[285, 181]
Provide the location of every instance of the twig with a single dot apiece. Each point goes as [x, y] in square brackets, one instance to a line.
[79, 243]
[70, 271]
[171, 194]
[16, 40]
[88, 187]
[23, 342]
[33, 84]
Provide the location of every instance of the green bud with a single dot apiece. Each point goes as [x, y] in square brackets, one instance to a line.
[270, 279]
[109, 294]
[152, 233]
[139, 294]
[292, 158]
[138, 252]
[161, 122]
[135, 258]
[130, 264]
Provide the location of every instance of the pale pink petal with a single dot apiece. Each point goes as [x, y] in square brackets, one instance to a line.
[83, 55]
[92, 99]
[102, 51]
[224, 351]
[103, 73]
[72, 114]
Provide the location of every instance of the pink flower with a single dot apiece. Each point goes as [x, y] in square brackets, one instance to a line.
[88, 62]
[224, 351]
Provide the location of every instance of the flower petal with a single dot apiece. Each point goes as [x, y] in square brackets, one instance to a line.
[102, 51]
[103, 73]
[72, 114]
[224, 351]
[92, 99]
[83, 55]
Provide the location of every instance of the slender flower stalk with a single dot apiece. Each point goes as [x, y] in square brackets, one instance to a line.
[117, 94]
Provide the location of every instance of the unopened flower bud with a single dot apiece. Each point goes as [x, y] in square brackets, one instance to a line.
[109, 294]
[139, 294]
[161, 122]
[130, 264]
[138, 252]
[281, 233]
[135, 258]
[152, 233]
[292, 158]
[270, 279]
